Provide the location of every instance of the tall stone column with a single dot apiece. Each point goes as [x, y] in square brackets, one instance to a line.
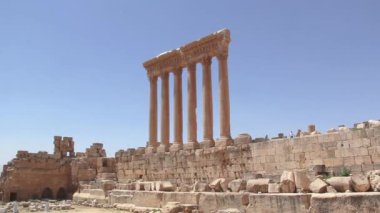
[178, 125]
[165, 125]
[208, 140]
[192, 107]
[153, 114]
[224, 101]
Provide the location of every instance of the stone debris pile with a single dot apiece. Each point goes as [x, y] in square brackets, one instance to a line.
[37, 206]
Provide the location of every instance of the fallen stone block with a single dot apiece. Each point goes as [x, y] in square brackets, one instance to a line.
[318, 186]
[273, 188]
[201, 187]
[360, 183]
[287, 184]
[340, 184]
[237, 185]
[166, 186]
[331, 189]
[302, 180]
[258, 185]
[374, 179]
[184, 188]
[215, 185]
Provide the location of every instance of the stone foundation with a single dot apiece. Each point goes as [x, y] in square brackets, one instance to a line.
[357, 150]
[246, 202]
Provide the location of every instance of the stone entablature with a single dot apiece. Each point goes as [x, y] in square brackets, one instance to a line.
[210, 46]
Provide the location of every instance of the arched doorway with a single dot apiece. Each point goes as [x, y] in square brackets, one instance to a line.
[47, 193]
[61, 194]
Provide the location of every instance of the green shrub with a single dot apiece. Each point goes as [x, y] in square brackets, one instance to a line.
[345, 172]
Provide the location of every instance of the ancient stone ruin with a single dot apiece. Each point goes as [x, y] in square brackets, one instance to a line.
[53, 176]
[336, 171]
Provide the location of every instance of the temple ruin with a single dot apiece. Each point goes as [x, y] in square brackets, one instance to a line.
[173, 62]
[338, 170]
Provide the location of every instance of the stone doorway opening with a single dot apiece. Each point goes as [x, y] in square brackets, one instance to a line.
[47, 193]
[61, 194]
[13, 196]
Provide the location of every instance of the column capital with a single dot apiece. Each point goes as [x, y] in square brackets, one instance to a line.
[152, 78]
[192, 66]
[178, 71]
[206, 61]
[164, 75]
[222, 56]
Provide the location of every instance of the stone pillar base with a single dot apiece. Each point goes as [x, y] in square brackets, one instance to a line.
[150, 150]
[224, 142]
[191, 146]
[207, 143]
[163, 148]
[175, 147]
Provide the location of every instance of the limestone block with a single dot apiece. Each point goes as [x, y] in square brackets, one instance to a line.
[229, 210]
[273, 203]
[243, 138]
[237, 185]
[147, 186]
[331, 189]
[215, 185]
[318, 186]
[374, 179]
[258, 185]
[139, 186]
[172, 207]
[340, 184]
[287, 183]
[166, 186]
[184, 187]
[360, 183]
[359, 160]
[345, 202]
[212, 202]
[301, 180]
[201, 187]
[374, 123]
[273, 188]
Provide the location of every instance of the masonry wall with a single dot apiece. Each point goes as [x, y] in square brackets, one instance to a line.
[29, 178]
[356, 149]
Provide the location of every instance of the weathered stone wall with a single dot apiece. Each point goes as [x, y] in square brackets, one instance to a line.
[54, 176]
[37, 177]
[355, 149]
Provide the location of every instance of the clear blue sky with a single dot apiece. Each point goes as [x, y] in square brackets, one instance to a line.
[74, 68]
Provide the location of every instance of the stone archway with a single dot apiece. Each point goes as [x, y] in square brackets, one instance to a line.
[47, 193]
[61, 194]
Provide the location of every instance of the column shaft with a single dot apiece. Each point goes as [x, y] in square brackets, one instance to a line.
[178, 126]
[153, 112]
[207, 102]
[224, 98]
[165, 129]
[192, 104]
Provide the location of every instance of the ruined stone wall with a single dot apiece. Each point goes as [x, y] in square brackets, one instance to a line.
[355, 149]
[53, 176]
[37, 177]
